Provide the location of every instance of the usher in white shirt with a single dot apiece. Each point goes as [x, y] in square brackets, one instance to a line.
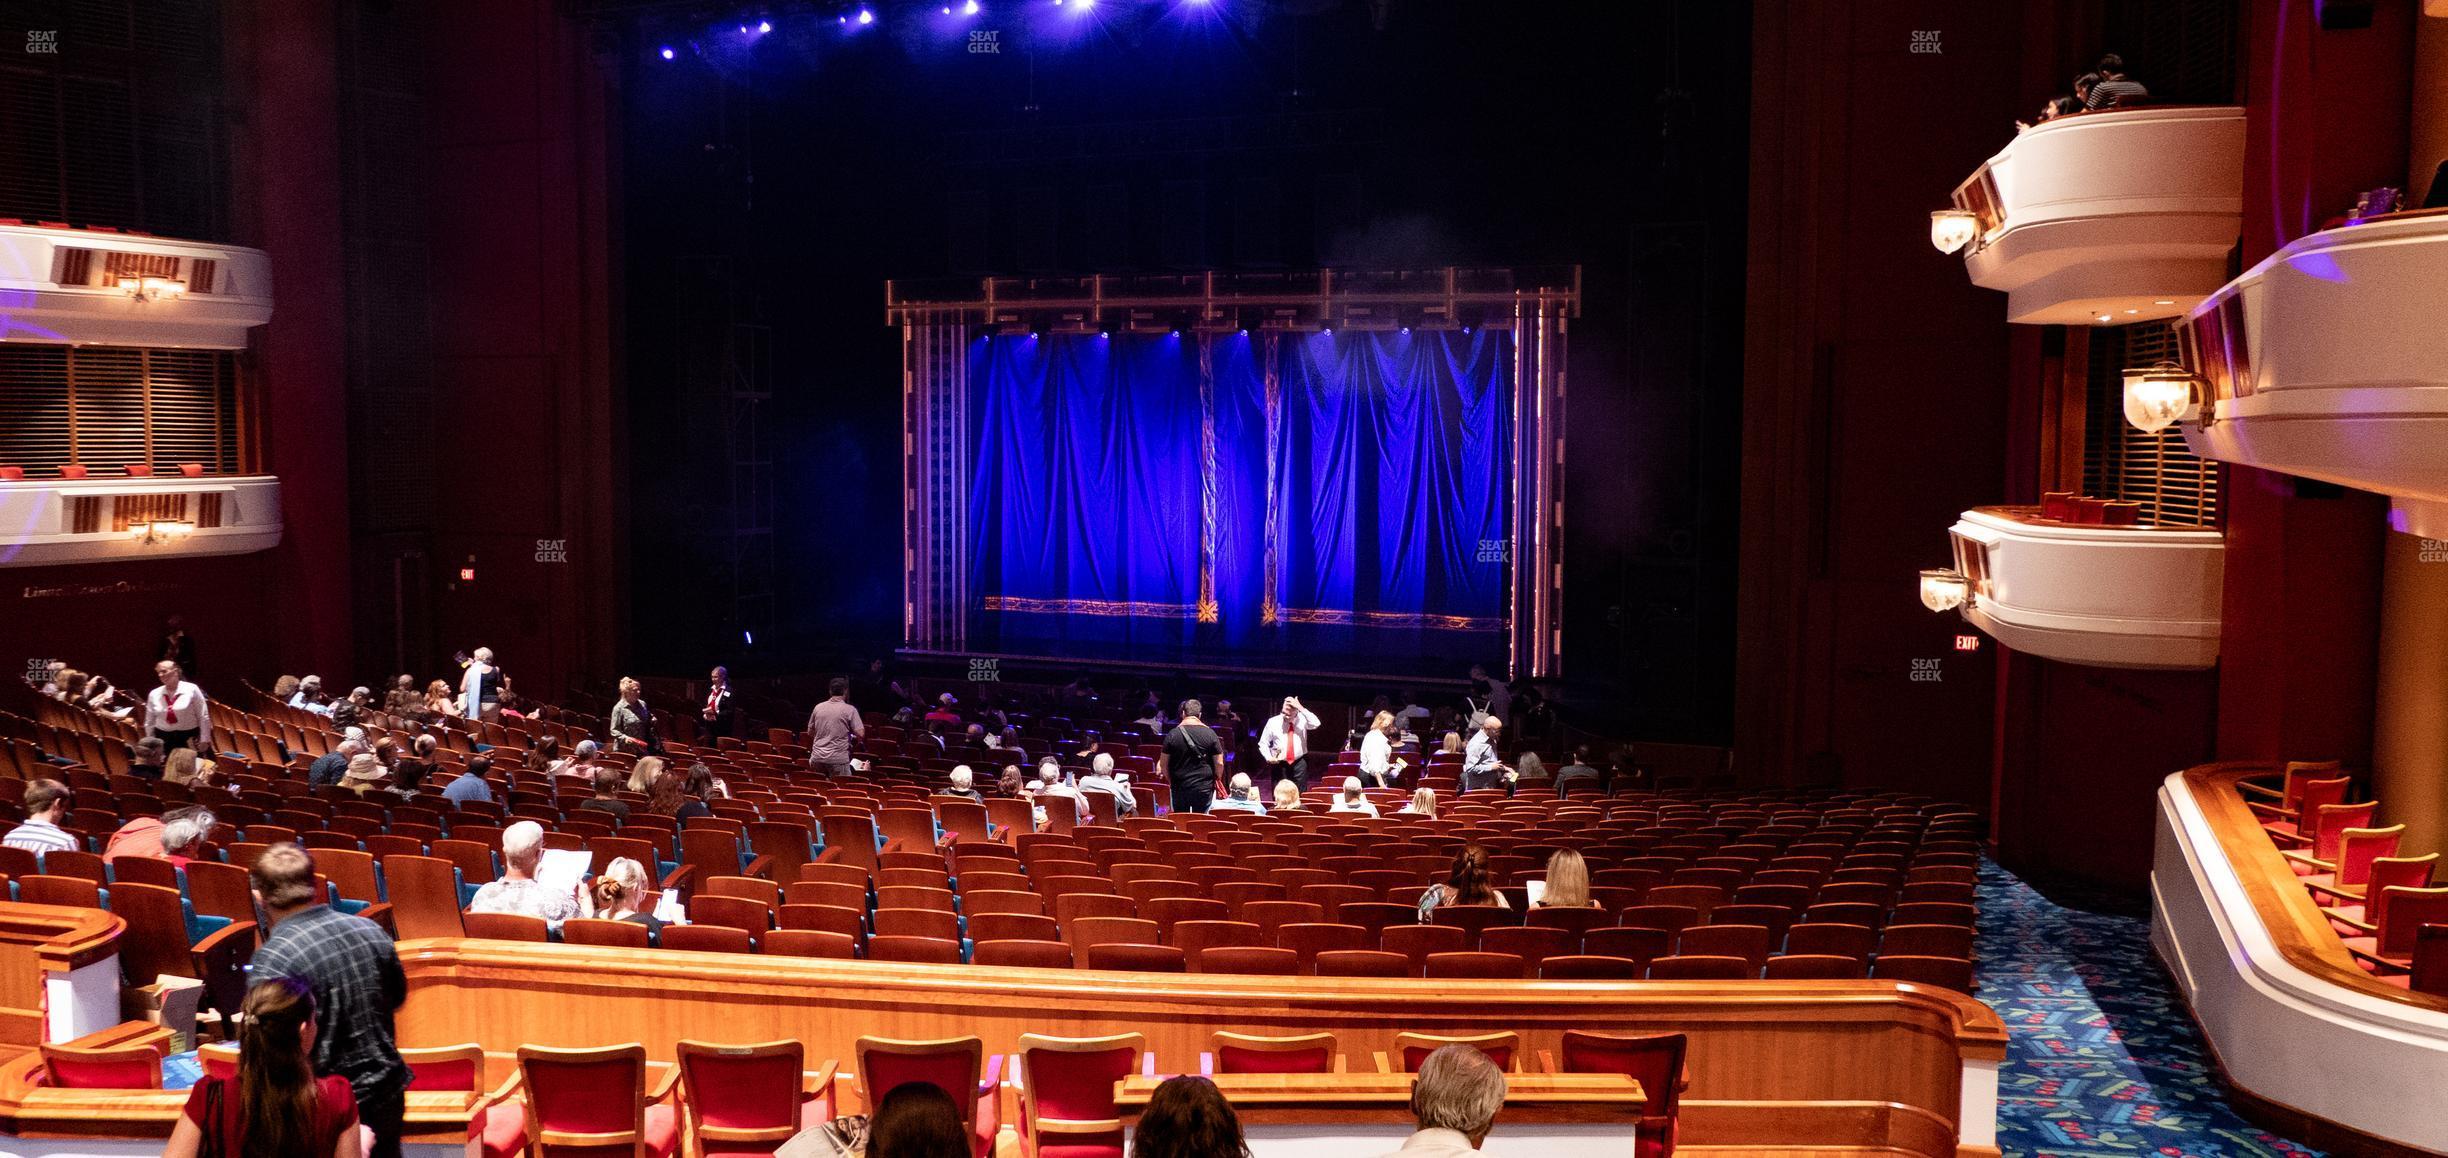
[182, 711]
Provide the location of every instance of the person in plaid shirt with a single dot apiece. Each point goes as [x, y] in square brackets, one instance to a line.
[355, 973]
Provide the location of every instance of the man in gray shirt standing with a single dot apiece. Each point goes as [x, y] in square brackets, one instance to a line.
[830, 728]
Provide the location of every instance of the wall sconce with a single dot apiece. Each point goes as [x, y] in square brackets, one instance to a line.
[2161, 394]
[146, 289]
[1943, 589]
[162, 532]
[1953, 229]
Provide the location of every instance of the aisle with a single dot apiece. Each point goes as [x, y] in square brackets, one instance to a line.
[2101, 1058]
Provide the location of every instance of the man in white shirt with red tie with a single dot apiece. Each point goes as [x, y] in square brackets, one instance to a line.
[1284, 743]
[177, 713]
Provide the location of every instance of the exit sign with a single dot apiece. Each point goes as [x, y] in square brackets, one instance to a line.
[468, 575]
[1967, 643]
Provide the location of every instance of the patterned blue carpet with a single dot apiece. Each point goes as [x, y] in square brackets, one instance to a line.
[2102, 1058]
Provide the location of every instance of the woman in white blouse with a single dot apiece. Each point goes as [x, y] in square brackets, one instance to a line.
[1377, 751]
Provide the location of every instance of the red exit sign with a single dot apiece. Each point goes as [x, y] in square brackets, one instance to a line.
[1967, 643]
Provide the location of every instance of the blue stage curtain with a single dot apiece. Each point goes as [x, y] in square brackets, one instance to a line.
[1398, 447]
[1084, 501]
[1120, 483]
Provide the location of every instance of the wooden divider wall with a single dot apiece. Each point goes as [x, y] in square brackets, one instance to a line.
[1841, 1063]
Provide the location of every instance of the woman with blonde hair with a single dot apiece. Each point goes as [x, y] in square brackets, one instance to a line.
[276, 1107]
[1287, 797]
[644, 773]
[1423, 803]
[1453, 744]
[1567, 883]
[1377, 758]
[439, 703]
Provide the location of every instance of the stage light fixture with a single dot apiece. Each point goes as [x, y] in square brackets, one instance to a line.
[2160, 394]
[866, 15]
[764, 26]
[970, 8]
[1943, 589]
[1953, 229]
[666, 53]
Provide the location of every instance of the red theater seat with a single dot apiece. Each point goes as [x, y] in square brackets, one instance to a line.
[749, 1099]
[1655, 1061]
[598, 1098]
[1067, 1093]
[1413, 1048]
[958, 1066]
[1239, 1053]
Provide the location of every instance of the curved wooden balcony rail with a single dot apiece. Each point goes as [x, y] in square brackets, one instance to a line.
[2303, 935]
[1844, 1063]
[38, 940]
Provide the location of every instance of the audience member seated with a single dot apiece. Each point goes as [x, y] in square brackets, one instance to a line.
[642, 775]
[962, 782]
[365, 774]
[1469, 884]
[617, 893]
[1239, 796]
[469, 786]
[147, 756]
[440, 704]
[1187, 1117]
[1101, 777]
[1287, 797]
[1577, 772]
[518, 891]
[1455, 1099]
[607, 795]
[2114, 88]
[328, 768]
[277, 1106]
[184, 767]
[1568, 883]
[1423, 803]
[46, 803]
[1352, 801]
[174, 836]
[917, 1120]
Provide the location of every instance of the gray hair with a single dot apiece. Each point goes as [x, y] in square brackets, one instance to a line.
[586, 750]
[962, 777]
[348, 747]
[185, 829]
[523, 842]
[1458, 1089]
[1101, 764]
[1240, 782]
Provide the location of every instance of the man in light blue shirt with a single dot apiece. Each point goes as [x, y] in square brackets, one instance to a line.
[1480, 767]
[471, 786]
[1240, 797]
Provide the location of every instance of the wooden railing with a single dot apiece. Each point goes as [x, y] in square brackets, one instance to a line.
[38, 940]
[2303, 935]
[1838, 1063]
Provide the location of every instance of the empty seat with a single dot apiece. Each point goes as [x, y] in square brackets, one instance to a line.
[1239, 1053]
[1698, 967]
[1413, 1048]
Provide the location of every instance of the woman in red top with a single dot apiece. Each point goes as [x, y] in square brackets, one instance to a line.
[277, 1108]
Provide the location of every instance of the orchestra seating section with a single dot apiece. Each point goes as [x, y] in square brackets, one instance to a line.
[1685, 887]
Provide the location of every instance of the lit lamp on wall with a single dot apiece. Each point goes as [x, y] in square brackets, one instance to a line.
[2158, 395]
[1952, 229]
[159, 532]
[146, 289]
[1943, 589]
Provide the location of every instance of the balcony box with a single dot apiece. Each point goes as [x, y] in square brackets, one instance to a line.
[59, 284]
[2117, 216]
[54, 521]
[2329, 361]
[2085, 593]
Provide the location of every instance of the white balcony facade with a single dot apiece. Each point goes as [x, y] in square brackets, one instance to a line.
[56, 521]
[2104, 596]
[2110, 217]
[100, 288]
[2329, 361]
